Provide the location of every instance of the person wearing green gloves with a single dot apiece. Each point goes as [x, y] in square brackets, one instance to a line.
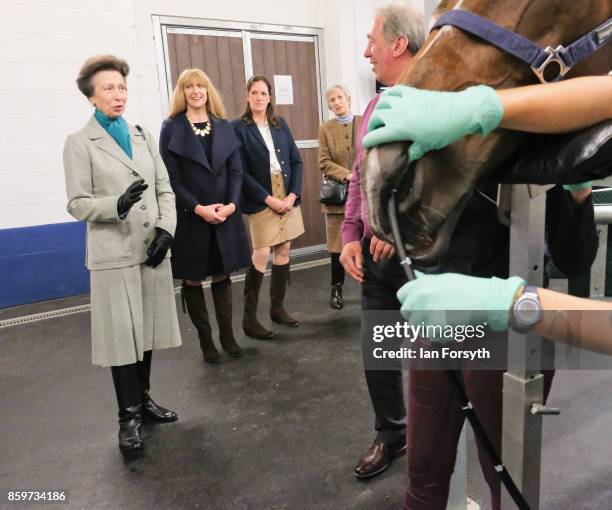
[482, 299]
[432, 120]
[497, 302]
[479, 248]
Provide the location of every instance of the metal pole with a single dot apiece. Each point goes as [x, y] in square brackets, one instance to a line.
[603, 218]
[524, 385]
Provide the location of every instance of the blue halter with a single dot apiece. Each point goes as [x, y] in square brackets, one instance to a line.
[560, 59]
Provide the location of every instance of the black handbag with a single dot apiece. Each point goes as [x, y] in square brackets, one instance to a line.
[335, 192]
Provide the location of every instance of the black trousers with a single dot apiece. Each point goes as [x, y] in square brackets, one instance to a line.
[380, 283]
[337, 271]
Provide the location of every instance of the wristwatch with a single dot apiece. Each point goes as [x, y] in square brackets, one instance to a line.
[526, 311]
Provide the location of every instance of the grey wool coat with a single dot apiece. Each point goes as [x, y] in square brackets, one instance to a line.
[97, 173]
[133, 307]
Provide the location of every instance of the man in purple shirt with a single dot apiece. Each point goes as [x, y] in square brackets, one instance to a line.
[395, 36]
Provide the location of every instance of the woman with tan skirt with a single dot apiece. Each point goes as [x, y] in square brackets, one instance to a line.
[116, 181]
[336, 158]
[271, 197]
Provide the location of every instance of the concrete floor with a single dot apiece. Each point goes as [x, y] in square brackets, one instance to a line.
[278, 429]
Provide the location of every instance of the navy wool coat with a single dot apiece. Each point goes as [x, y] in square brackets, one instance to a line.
[256, 160]
[195, 180]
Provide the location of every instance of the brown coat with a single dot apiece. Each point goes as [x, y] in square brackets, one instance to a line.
[336, 153]
[336, 158]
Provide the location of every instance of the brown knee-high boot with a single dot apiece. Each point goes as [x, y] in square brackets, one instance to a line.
[193, 296]
[252, 327]
[278, 286]
[222, 296]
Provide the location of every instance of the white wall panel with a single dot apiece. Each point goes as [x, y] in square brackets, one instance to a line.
[55, 47]
[30, 160]
[33, 212]
[68, 4]
[40, 19]
[40, 186]
[38, 76]
[28, 132]
[55, 104]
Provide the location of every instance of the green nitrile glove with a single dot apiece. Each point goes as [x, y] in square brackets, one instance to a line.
[427, 298]
[578, 186]
[432, 120]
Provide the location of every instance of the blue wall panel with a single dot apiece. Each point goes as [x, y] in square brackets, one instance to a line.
[42, 262]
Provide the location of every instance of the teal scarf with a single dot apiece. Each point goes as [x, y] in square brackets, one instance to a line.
[118, 129]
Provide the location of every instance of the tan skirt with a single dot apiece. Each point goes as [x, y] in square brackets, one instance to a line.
[269, 228]
[133, 310]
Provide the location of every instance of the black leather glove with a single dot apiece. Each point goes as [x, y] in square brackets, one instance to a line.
[159, 247]
[131, 196]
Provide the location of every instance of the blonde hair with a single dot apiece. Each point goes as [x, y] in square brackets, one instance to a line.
[214, 104]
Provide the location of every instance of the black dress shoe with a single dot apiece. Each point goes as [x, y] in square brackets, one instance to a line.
[130, 424]
[157, 412]
[376, 460]
[336, 301]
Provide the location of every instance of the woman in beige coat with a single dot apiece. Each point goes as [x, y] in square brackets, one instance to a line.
[117, 183]
[336, 158]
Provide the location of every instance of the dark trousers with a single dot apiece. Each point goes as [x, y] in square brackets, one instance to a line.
[434, 428]
[337, 270]
[381, 281]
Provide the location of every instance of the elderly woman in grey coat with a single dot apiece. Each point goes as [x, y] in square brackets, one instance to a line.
[117, 182]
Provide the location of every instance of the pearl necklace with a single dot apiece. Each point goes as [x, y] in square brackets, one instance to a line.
[201, 132]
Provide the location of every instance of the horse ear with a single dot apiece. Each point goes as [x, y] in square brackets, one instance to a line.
[400, 46]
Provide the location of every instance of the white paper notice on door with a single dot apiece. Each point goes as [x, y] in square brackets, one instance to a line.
[283, 88]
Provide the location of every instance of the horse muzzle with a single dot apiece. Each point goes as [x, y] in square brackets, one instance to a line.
[425, 223]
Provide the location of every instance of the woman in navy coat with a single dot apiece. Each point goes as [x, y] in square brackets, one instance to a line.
[271, 198]
[201, 154]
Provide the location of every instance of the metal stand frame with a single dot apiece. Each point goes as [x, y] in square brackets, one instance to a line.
[523, 383]
[597, 284]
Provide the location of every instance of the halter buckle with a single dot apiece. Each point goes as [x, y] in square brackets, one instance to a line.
[554, 58]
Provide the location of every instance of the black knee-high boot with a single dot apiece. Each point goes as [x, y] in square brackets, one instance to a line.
[149, 407]
[127, 388]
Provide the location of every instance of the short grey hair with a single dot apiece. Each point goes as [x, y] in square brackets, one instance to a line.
[399, 19]
[329, 91]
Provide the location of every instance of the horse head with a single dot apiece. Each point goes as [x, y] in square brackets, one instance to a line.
[434, 190]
